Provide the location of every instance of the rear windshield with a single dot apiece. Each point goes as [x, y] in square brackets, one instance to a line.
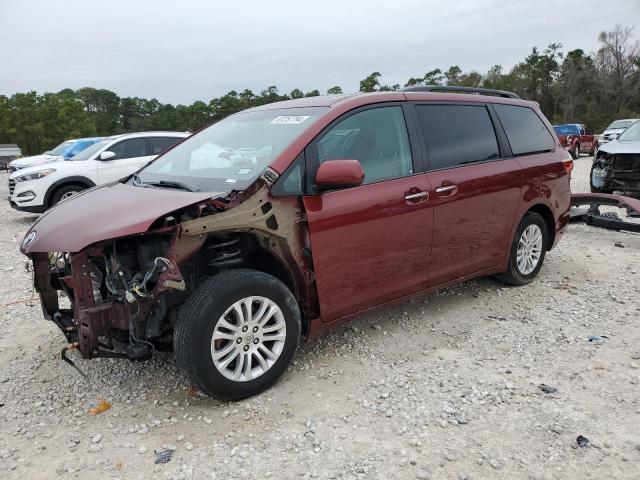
[565, 129]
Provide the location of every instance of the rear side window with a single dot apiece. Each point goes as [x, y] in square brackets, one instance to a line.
[162, 144]
[457, 134]
[132, 148]
[525, 131]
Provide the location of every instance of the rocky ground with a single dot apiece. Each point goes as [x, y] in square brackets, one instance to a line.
[445, 386]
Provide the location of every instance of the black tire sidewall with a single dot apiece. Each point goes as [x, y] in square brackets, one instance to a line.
[529, 219]
[210, 309]
[57, 195]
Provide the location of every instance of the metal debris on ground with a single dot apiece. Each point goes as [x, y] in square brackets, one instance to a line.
[547, 388]
[609, 220]
[582, 441]
[619, 244]
[100, 407]
[164, 456]
[597, 339]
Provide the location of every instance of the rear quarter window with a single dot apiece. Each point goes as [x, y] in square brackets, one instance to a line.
[526, 132]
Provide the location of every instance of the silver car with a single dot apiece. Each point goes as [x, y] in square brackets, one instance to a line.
[615, 129]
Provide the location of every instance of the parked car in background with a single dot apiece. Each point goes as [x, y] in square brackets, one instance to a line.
[617, 164]
[35, 189]
[65, 151]
[614, 130]
[293, 217]
[8, 152]
[576, 139]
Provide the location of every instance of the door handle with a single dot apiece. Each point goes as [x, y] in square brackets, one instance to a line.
[416, 195]
[445, 189]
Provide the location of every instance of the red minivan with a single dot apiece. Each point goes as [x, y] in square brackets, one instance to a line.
[290, 218]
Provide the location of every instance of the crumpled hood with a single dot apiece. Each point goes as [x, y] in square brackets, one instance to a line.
[104, 212]
[34, 160]
[616, 146]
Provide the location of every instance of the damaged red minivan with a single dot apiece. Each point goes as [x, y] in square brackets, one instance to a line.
[290, 218]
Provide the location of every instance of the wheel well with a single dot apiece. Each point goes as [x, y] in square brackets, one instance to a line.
[79, 181]
[244, 250]
[546, 214]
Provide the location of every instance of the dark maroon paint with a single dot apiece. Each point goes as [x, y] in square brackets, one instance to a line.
[104, 212]
[371, 244]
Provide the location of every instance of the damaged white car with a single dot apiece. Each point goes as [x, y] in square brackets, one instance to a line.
[616, 167]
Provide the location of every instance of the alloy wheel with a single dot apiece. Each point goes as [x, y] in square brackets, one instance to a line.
[248, 338]
[529, 249]
[68, 195]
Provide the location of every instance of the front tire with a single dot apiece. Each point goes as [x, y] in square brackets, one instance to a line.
[528, 250]
[64, 192]
[237, 333]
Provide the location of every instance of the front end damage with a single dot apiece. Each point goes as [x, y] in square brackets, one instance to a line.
[121, 296]
[616, 171]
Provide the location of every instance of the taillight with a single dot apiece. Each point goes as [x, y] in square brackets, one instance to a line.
[568, 165]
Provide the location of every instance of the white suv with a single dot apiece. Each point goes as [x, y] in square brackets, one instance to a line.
[35, 189]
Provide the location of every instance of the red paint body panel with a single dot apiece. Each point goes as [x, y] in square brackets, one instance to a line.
[546, 182]
[334, 173]
[473, 223]
[105, 212]
[369, 244]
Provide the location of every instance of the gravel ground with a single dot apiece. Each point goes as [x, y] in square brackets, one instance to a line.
[444, 386]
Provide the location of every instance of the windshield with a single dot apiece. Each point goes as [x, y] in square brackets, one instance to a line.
[620, 124]
[89, 151]
[60, 148]
[565, 129]
[631, 134]
[232, 153]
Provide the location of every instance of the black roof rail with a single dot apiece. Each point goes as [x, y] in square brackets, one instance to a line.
[454, 89]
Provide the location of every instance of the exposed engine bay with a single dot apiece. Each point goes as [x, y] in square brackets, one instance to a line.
[125, 293]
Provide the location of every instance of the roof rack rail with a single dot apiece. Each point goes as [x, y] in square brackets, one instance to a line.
[454, 89]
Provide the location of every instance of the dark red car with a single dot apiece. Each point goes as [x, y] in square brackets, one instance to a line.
[576, 139]
[293, 217]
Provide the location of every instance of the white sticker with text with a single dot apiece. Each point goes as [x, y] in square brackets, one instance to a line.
[289, 119]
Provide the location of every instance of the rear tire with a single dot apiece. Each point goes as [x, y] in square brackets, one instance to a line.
[220, 343]
[64, 192]
[530, 241]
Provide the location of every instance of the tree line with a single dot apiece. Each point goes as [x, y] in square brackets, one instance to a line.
[576, 87]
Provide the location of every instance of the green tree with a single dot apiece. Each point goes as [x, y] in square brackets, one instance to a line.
[334, 90]
[371, 83]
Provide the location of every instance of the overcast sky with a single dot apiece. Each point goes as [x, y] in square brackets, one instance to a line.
[184, 50]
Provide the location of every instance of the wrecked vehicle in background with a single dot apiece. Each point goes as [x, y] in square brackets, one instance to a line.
[293, 217]
[616, 167]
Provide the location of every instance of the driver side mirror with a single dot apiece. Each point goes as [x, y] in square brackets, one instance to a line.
[106, 155]
[339, 174]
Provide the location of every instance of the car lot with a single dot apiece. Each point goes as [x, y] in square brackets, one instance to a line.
[445, 386]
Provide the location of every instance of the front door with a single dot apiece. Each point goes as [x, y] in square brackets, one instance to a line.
[130, 155]
[476, 191]
[371, 243]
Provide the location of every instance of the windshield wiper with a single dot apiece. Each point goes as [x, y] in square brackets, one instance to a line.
[168, 184]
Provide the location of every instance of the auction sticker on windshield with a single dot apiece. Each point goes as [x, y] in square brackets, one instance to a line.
[289, 119]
